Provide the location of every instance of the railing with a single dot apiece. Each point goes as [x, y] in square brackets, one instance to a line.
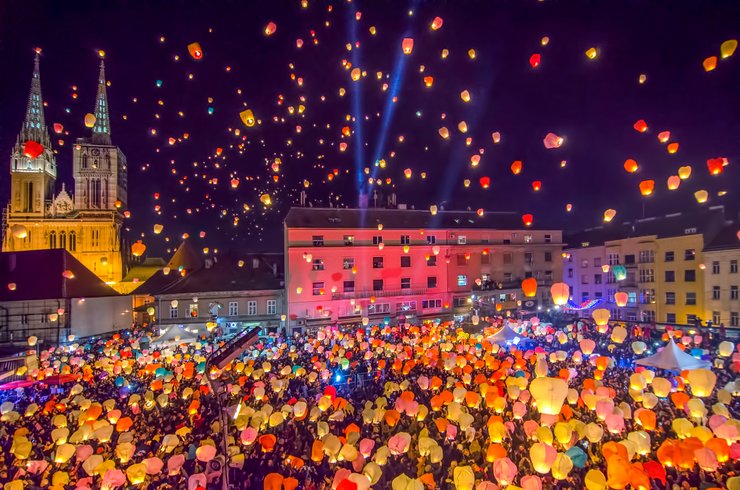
[233, 348]
[513, 284]
[379, 294]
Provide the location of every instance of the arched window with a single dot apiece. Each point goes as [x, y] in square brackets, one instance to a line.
[62, 239]
[72, 241]
[53, 239]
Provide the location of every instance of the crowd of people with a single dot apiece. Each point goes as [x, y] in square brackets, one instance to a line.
[410, 406]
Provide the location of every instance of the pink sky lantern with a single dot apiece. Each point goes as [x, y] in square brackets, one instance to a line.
[553, 141]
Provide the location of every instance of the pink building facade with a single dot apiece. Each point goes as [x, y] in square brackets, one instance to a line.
[342, 265]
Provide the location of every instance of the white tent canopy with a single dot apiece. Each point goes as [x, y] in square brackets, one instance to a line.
[174, 334]
[672, 358]
[504, 336]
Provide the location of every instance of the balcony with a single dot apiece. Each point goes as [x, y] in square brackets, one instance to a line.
[380, 294]
[513, 284]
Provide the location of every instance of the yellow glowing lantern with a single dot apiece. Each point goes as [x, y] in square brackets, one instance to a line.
[701, 196]
[560, 293]
[601, 316]
[702, 382]
[549, 394]
[609, 215]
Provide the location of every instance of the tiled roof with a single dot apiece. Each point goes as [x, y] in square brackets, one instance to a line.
[404, 219]
[37, 274]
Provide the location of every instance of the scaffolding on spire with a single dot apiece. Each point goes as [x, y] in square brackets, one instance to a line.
[101, 129]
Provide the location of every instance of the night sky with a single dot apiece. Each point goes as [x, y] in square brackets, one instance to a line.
[591, 103]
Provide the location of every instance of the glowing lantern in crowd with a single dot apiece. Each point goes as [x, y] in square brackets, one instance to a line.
[138, 248]
[270, 28]
[592, 53]
[552, 140]
[702, 382]
[673, 182]
[537, 185]
[32, 149]
[465, 96]
[527, 219]
[475, 160]
[32, 341]
[437, 23]
[407, 173]
[646, 187]
[549, 393]
[247, 117]
[529, 286]
[560, 293]
[89, 120]
[726, 348]
[195, 51]
[621, 298]
[620, 272]
[407, 45]
[619, 334]
[728, 48]
[19, 231]
[609, 215]
[701, 196]
[631, 166]
[710, 63]
[485, 182]
[534, 60]
[684, 172]
[716, 165]
[601, 316]
[516, 167]
[640, 126]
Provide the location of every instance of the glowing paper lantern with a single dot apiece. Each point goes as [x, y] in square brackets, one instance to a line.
[620, 272]
[630, 165]
[673, 182]
[728, 48]
[32, 149]
[592, 53]
[716, 165]
[437, 23]
[619, 334]
[684, 172]
[710, 63]
[536, 185]
[621, 298]
[516, 167]
[138, 248]
[407, 45]
[549, 393]
[529, 286]
[195, 51]
[444, 132]
[601, 316]
[552, 140]
[702, 382]
[247, 117]
[527, 219]
[465, 96]
[640, 126]
[542, 456]
[609, 215]
[270, 28]
[560, 293]
[647, 187]
[485, 182]
[534, 60]
[496, 137]
[701, 196]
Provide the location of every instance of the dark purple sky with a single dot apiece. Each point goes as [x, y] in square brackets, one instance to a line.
[592, 103]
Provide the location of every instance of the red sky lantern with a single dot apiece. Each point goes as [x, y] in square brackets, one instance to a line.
[270, 28]
[640, 126]
[716, 165]
[664, 136]
[485, 182]
[529, 286]
[647, 187]
[537, 185]
[631, 166]
[437, 23]
[534, 60]
[527, 219]
[32, 149]
[516, 167]
[195, 51]
[407, 45]
[58, 128]
[552, 141]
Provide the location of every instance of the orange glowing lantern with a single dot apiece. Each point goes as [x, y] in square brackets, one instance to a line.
[529, 286]
[527, 219]
[647, 187]
[631, 166]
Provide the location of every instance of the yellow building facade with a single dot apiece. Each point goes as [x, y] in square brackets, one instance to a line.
[87, 223]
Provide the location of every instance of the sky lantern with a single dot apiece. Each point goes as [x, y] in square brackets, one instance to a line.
[466, 183]
[433, 209]
[462, 126]
[270, 28]
[407, 45]
[710, 63]
[444, 132]
[664, 136]
[265, 199]
[534, 60]
[496, 137]
[621, 298]
[529, 286]
[355, 74]
[465, 96]
[684, 172]
[569, 207]
[537, 185]
[437, 23]
[592, 53]
[32, 149]
[609, 215]
[716, 165]
[673, 182]
[549, 393]
[702, 382]
[640, 126]
[407, 173]
[474, 160]
[552, 140]
[672, 147]
[647, 187]
[428, 81]
[58, 128]
[701, 196]
[158, 229]
[247, 117]
[601, 316]
[620, 272]
[89, 120]
[485, 182]
[19, 231]
[516, 167]
[728, 48]
[631, 165]
[560, 293]
[196, 52]
[472, 54]
[234, 183]
[642, 78]
[527, 219]
[138, 248]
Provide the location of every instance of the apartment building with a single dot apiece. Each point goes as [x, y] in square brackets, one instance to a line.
[721, 277]
[345, 264]
[658, 261]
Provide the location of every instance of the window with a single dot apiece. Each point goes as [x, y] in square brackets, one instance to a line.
[461, 260]
[647, 296]
[548, 238]
[528, 258]
[597, 261]
[348, 263]
[733, 267]
[715, 292]
[647, 256]
[405, 306]
[377, 284]
[646, 275]
[432, 261]
[613, 259]
[378, 308]
[462, 239]
[485, 259]
[377, 262]
[508, 258]
[584, 279]
[548, 256]
[670, 298]
[670, 317]
[252, 308]
[734, 320]
[584, 263]
[432, 282]
[72, 241]
[527, 238]
[597, 278]
[629, 259]
[733, 292]
[459, 301]
[405, 283]
[431, 239]
[173, 311]
[405, 261]
[669, 256]
[632, 297]
[349, 286]
[715, 267]
[62, 239]
[690, 319]
[377, 239]
[548, 276]
[689, 275]
[648, 315]
[349, 240]
[507, 277]
[598, 295]
[462, 280]
[507, 241]
[584, 296]
[233, 308]
[53, 239]
[689, 254]
[193, 310]
[570, 273]
[317, 289]
[715, 317]
[317, 265]
[405, 240]
[431, 303]
[690, 299]
[670, 276]
[318, 240]
[271, 306]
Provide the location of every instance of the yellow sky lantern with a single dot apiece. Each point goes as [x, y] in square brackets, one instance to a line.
[592, 53]
[684, 172]
[728, 48]
[247, 117]
[465, 96]
[701, 196]
[609, 215]
[560, 293]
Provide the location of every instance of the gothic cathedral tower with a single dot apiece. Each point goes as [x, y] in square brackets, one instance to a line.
[87, 224]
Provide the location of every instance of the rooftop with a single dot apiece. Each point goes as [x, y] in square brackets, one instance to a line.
[726, 239]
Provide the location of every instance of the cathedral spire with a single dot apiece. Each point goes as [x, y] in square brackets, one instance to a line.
[101, 130]
[34, 126]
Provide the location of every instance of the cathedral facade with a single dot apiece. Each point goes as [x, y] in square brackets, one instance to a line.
[86, 221]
